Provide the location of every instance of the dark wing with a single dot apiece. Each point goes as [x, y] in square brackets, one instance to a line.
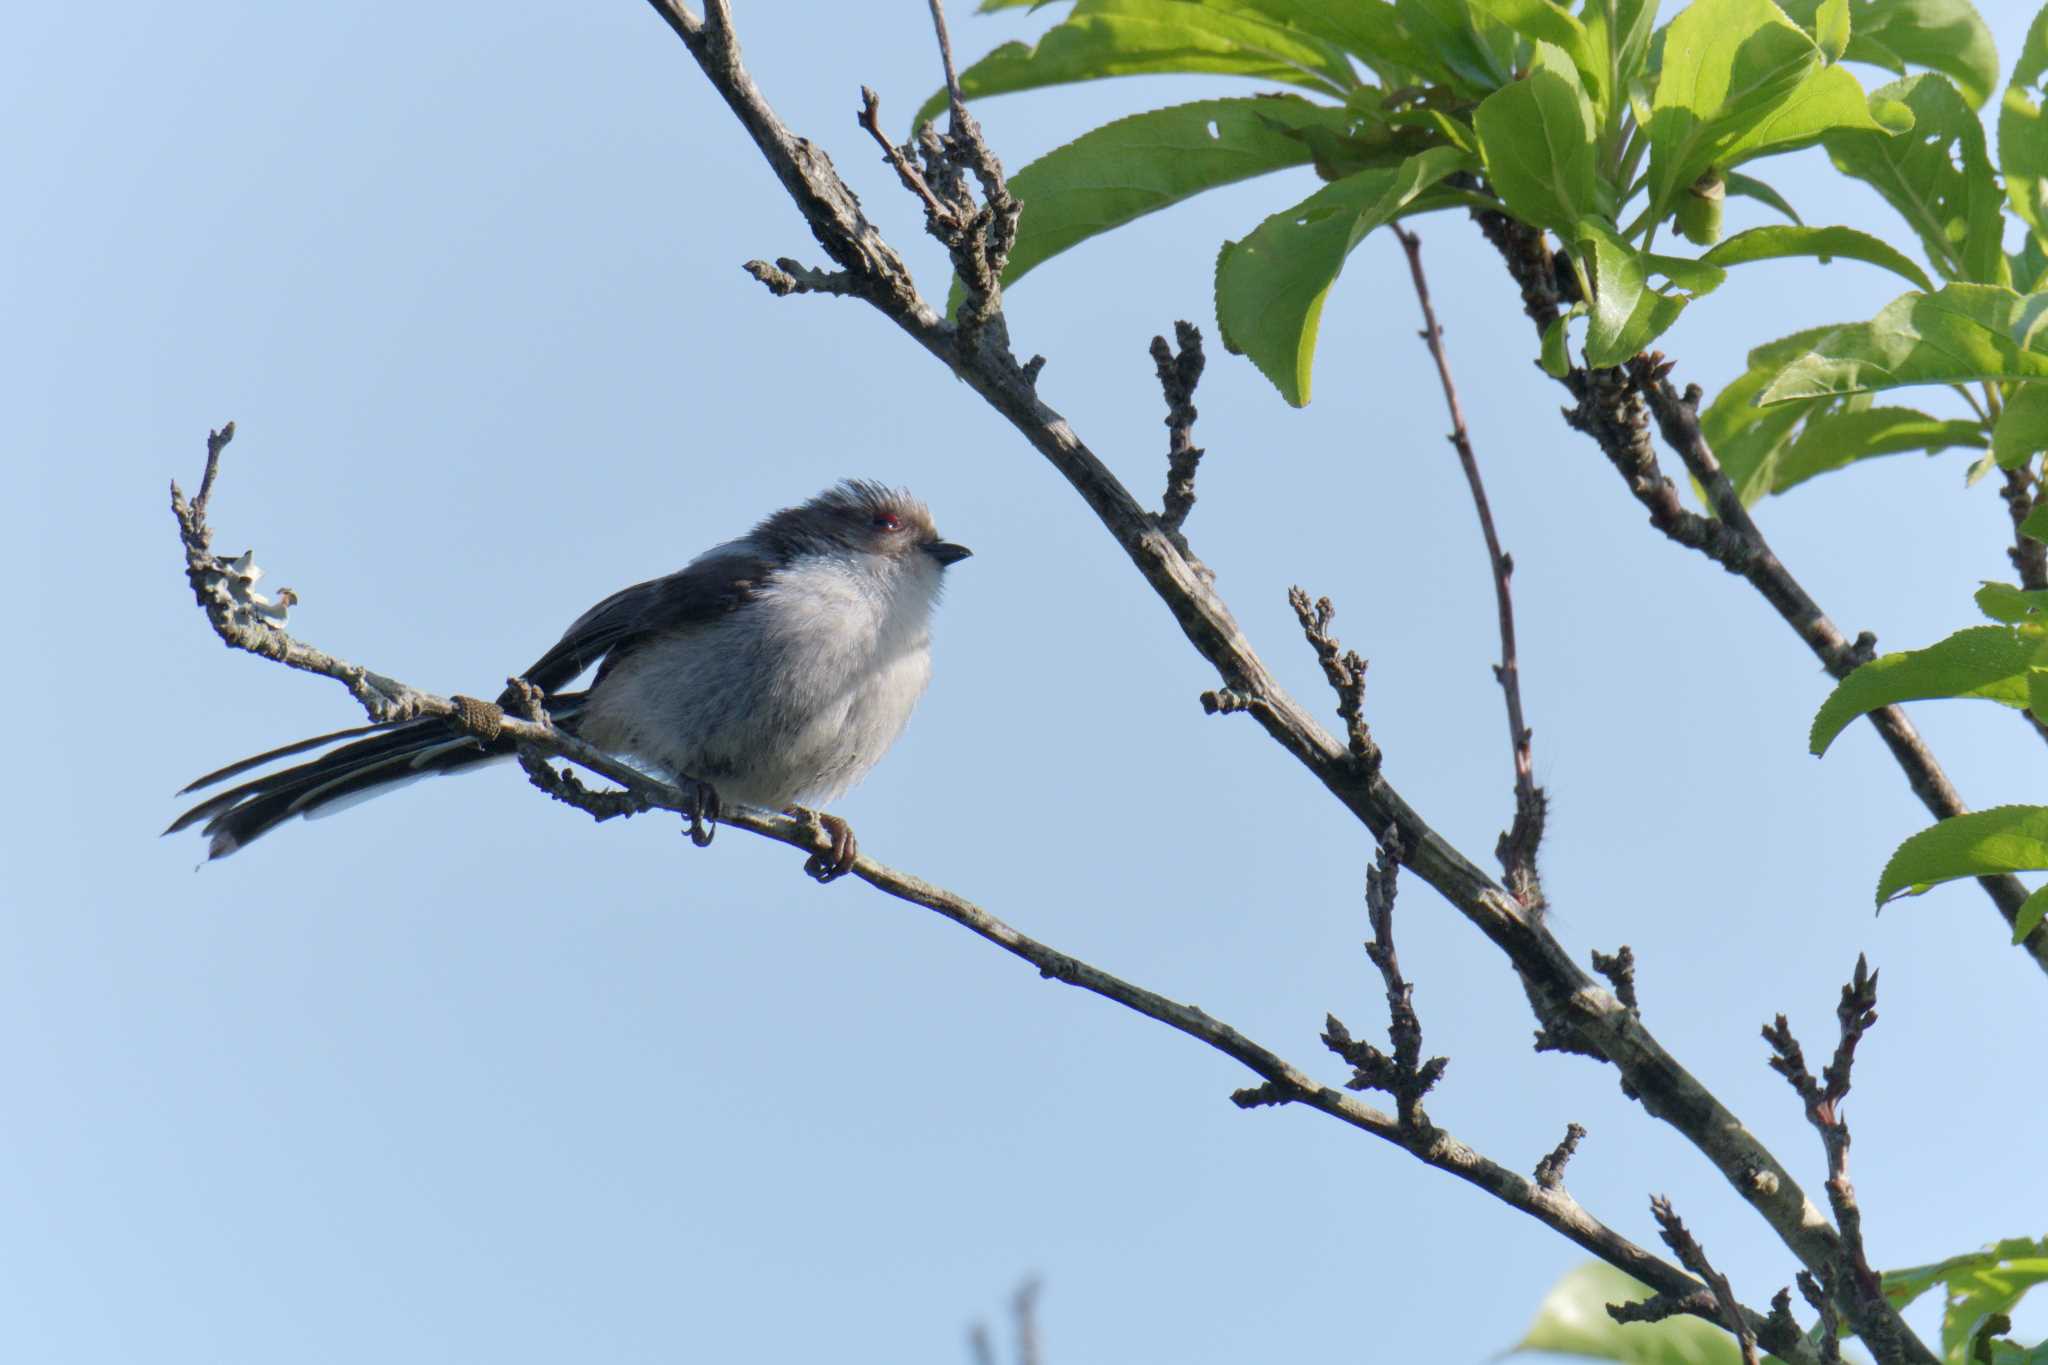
[714, 586]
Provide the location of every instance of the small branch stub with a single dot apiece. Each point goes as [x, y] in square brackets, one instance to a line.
[1550, 1170]
[1404, 1075]
[1179, 372]
[1344, 670]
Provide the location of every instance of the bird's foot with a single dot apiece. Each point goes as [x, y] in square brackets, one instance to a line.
[832, 865]
[702, 809]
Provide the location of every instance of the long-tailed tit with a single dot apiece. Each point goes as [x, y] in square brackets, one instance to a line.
[774, 669]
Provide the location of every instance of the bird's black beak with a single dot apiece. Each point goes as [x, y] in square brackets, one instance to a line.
[946, 552]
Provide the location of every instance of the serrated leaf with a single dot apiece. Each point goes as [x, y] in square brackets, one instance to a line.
[1635, 25]
[1555, 355]
[1902, 1287]
[1980, 844]
[1369, 29]
[1962, 333]
[2022, 429]
[1831, 28]
[2030, 913]
[1538, 138]
[1475, 53]
[2023, 132]
[2035, 526]
[1749, 187]
[1270, 287]
[1948, 36]
[2029, 264]
[1573, 1320]
[1103, 38]
[1138, 165]
[1745, 438]
[1741, 80]
[1545, 21]
[1627, 313]
[1938, 177]
[1770, 243]
[1832, 440]
[2004, 602]
[1989, 662]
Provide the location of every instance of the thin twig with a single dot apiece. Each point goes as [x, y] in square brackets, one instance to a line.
[1854, 1014]
[1518, 846]
[1694, 1258]
[946, 54]
[1821, 1297]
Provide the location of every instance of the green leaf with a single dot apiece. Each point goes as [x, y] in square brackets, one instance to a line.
[1747, 438]
[1831, 28]
[1627, 313]
[1573, 1320]
[1948, 36]
[2004, 602]
[1270, 287]
[1832, 440]
[1537, 136]
[1901, 1287]
[1749, 187]
[1960, 334]
[1369, 29]
[1938, 178]
[1769, 243]
[1102, 38]
[1555, 356]
[2023, 132]
[2029, 264]
[1740, 80]
[2022, 428]
[1990, 662]
[2030, 913]
[1980, 844]
[1138, 165]
[1545, 21]
[1476, 54]
[1635, 24]
[2035, 527]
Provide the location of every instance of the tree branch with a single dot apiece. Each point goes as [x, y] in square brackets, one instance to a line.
[1518, 846]
[977, 352]
[1609, 406]
[538, 739]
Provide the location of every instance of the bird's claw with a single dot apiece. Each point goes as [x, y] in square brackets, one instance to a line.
[703, 811]
[845, 850]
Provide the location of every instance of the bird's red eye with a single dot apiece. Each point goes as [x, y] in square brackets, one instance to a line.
[888, 521]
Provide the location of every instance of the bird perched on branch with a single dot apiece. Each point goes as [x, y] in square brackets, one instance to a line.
[773, 669]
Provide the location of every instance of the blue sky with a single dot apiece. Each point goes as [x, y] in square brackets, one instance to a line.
[462, 1076]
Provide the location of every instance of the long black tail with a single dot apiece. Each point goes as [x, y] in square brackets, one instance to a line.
[382, 758]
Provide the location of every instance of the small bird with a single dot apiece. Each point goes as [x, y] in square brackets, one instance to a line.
[774, 669]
